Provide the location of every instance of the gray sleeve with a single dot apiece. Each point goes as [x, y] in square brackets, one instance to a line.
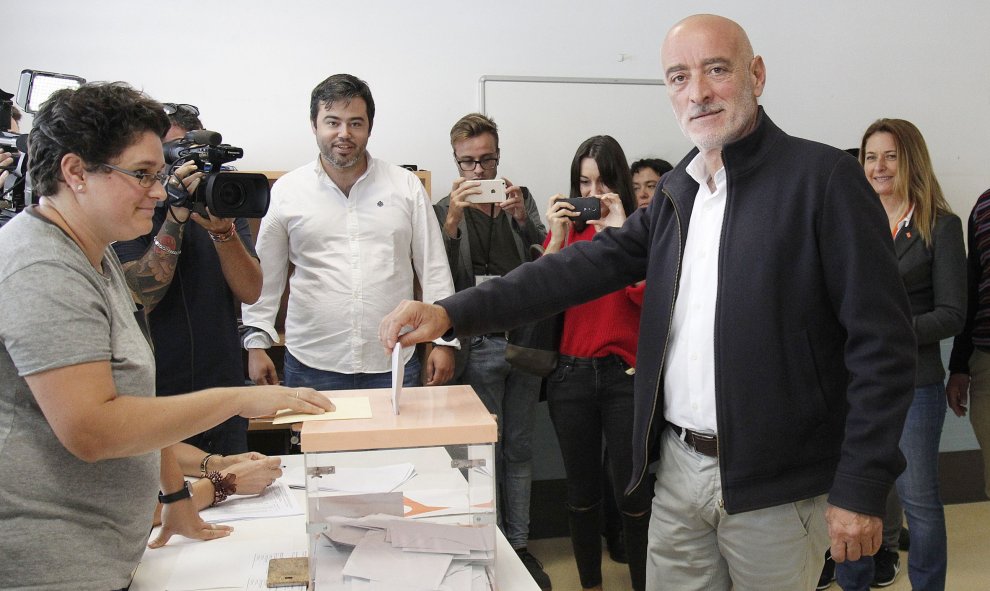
[534, 232]
[61, 320]
[947, 317]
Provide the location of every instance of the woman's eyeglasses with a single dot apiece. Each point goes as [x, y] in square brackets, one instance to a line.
[145, 179]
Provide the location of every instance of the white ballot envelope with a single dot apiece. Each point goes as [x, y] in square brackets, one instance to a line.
[398, 372]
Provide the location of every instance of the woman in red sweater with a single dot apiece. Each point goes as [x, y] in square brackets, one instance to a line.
[590, 394]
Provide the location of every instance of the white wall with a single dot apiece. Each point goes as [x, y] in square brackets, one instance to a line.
[249, 65]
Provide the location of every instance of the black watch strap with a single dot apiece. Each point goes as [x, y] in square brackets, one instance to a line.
[183, 493]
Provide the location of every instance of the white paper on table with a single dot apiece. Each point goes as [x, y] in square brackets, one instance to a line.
[347, 408]
[398, 373]
[275, 501]
[294, 476]
[377, 560]
[244, 565]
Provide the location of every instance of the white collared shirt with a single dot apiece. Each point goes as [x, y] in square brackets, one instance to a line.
[354, 258]
[904, 221]
[689, 376]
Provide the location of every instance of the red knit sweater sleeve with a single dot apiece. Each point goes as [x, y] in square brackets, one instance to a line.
[606, 326]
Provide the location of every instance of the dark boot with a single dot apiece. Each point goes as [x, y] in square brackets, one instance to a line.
[586, 542]
[635, 532]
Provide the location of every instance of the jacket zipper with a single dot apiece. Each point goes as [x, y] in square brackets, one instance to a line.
[666, 338]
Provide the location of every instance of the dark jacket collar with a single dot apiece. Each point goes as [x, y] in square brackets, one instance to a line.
[749, 152]
[738, 157]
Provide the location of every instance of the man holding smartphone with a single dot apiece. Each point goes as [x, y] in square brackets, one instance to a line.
[487, 236]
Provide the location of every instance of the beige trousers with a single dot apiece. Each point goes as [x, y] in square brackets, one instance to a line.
[695, 545]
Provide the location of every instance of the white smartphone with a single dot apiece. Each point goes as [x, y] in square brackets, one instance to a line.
[492, 191]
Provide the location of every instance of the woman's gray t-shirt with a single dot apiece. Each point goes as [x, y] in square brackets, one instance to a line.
[66, 523]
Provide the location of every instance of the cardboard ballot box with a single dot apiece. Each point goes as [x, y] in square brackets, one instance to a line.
[402, 501]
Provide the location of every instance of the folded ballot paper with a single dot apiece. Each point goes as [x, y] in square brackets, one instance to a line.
[394, 553]
[398, 374]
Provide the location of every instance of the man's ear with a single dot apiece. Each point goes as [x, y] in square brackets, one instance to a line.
[758, 71]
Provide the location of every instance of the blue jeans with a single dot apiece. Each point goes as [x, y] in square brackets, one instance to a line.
[511, 395]
[592, 398]
[918, 489]
[299, 375]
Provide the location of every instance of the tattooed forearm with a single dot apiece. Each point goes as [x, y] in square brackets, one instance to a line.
[150, 276]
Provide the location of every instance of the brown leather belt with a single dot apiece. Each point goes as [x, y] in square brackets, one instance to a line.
[706, 445]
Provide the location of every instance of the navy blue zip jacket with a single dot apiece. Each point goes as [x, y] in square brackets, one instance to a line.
[814, 349]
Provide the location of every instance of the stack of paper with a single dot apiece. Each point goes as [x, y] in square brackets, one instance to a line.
[275, 501]
[404, 555]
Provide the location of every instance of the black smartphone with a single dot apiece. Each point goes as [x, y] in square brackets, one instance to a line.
[589, 208]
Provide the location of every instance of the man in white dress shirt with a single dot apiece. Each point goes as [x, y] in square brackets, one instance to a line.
[356, 229]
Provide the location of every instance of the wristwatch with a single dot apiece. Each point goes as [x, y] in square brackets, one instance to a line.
[183, 493]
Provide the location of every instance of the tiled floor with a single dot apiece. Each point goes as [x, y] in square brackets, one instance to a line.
[969, 556]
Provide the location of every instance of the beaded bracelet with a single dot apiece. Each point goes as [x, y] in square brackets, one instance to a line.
[223, 486]
[223, 237]
[165, 249]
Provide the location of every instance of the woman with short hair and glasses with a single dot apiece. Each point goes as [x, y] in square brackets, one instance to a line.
[80, 426]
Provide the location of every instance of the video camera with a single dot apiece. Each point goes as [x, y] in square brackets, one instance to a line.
[225, 193]
[33, 88]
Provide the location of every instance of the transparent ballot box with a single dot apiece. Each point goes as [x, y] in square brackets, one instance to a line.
[403, 502]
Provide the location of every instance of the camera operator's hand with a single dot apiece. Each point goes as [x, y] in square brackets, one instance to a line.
[615, 215]
[6, 160]
[261, 370]
[513, 204]
[213, 224]
[189, 177]
[559, 214]
[459, 194]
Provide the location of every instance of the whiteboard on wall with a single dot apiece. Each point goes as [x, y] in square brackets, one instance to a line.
[542, 121]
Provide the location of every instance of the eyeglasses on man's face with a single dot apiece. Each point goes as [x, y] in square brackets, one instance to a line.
[173, 108]
[145, 179]
[486, 164]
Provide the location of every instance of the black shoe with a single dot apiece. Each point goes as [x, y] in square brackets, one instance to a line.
[617, 548]
[904, 540]
[886, 565]
[828, 572]
[535, 568]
